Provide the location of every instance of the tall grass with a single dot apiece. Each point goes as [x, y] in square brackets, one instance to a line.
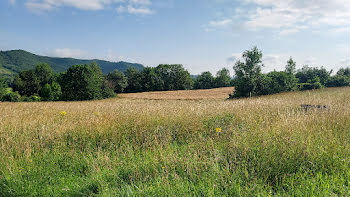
[123, 147]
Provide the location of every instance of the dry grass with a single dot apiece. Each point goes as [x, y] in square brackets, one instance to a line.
[142, 147]
[210, 94]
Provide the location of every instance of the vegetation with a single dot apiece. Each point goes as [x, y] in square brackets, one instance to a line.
[250, 81]
[87, 81]
[135, 147]
[13, 62]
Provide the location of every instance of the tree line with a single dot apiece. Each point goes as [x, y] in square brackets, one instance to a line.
[87, 82]
[250, 81]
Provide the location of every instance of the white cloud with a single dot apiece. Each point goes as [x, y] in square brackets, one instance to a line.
[141, 10]
[345, 62]
[133, 6]
[67, 52]
[12, 2]
[287, 16]
[220, 22]
[271, 61]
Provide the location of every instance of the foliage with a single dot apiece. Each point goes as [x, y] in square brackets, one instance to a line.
[116, 81]
[248, 73]
[150, 80]
[3, 87]
[344, 72]
[279, 82]
[51, 92]
[290, 70]
[205, 81]
[11, 97]
[82, 82]
[174, 77]
[308, 74]
[16, 61]
[223, 78]
[338, 81]
[134, 80]
[32, 81]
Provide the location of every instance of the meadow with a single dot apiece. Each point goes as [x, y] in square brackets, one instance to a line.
[142, 145]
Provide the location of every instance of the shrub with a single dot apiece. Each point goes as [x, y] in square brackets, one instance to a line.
[11, 97]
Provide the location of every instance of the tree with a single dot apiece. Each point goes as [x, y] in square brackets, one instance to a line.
[291, 67]
[51, 92]
[223, 78]
[32, 81]
[344, 72]
[3, 87]
[134, 80]
[150, 80]
[117, 81]
[307, 74]
[291, 82]
[82, 82]
[279, 82]
[248, 73]
[174, 76]
[205, 81]
[338, 81]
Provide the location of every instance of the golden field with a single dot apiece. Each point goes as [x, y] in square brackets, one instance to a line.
[208, 94]
[166, 144]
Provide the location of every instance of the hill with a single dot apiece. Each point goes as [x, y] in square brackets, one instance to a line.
[15, 61]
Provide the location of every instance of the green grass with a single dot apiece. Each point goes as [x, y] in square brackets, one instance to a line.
[267, 147]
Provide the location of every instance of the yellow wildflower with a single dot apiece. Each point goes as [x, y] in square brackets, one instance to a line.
[63, 113]
[218, 130]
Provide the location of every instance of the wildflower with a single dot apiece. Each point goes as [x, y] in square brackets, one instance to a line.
[218, 130]
[97, 113]
[63, 113]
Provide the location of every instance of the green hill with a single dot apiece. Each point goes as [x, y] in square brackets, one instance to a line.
[15, 61]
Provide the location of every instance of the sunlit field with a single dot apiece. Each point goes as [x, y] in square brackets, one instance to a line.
[137, 145]
[208, 94]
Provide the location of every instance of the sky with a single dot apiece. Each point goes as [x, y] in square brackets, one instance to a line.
[203, 35]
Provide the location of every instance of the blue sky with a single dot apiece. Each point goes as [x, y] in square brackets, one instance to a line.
[200, 34]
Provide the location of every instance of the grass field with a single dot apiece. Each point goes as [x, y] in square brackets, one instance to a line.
[136, 145]
[211, 94]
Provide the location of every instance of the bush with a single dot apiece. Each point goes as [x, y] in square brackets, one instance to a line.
[11, 97]
[338, 81]
[309, 86]
[33, 98]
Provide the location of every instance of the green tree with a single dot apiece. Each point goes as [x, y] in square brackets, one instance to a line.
[51, 92]
[223, 78]
[32, 81]
[291, 83]
[174, 77]
[247, 73]
[82, 82]
[3, 87]
[307, 74]
[117, 81]
[205, 81]
[134, 80]
[150, 80]
[279, 82]
[344, 72]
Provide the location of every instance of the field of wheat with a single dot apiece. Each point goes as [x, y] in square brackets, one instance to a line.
[137, 145]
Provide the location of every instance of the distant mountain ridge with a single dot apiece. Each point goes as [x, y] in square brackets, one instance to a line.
[15, 61]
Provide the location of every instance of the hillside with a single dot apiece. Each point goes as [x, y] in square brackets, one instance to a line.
[12, 62]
